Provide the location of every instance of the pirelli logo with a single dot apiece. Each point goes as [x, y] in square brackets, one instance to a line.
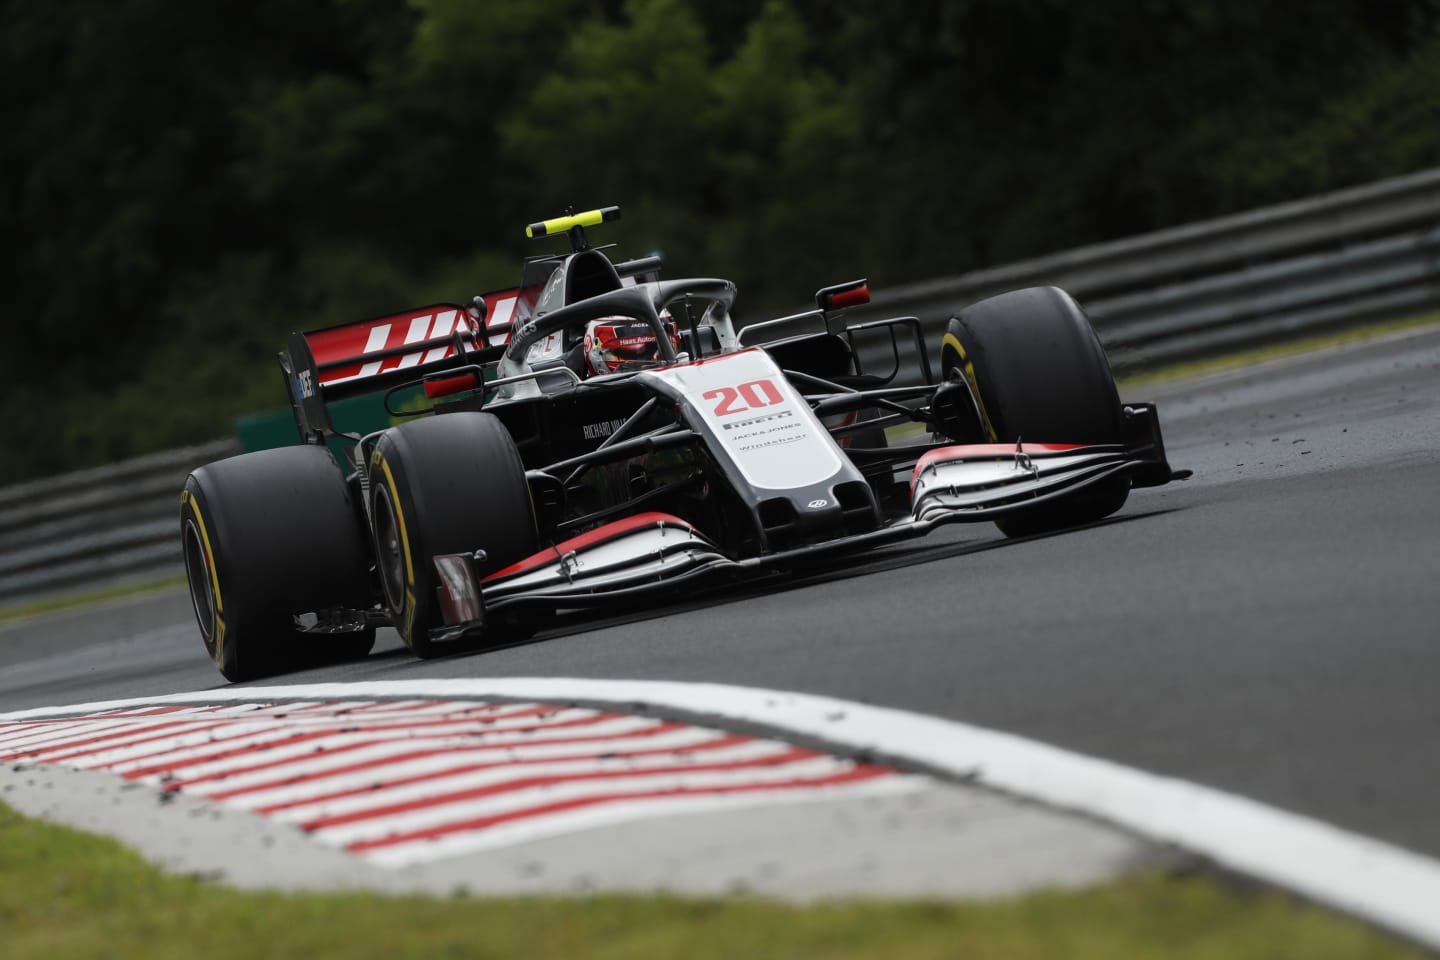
[764, 418]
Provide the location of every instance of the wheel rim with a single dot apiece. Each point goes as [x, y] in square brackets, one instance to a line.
[389, 552]
[202, 588]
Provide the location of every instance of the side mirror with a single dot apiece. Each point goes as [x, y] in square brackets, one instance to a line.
[438, 387]
[843, 295]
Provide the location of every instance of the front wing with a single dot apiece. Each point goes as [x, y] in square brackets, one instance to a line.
[649, 553]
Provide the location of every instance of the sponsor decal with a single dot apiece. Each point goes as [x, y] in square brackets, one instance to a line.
[768, 431]
[601, 430]
[751, 421]
[775, 442]
[759, 420]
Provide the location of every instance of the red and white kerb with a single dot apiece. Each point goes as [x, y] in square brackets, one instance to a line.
[401, 782]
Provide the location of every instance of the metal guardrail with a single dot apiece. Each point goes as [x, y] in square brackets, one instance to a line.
[115, 523]
[1366, 254]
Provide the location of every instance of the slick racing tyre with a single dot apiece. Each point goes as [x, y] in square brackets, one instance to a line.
[1038, 373]
[446, 484]
[269, 536]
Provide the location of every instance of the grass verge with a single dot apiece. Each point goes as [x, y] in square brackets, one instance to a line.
[68, 894]
[82, 598]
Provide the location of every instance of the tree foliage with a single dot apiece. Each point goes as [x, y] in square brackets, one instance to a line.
[183, 183]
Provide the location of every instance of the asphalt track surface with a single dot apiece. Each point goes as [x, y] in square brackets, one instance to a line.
[1270, 627]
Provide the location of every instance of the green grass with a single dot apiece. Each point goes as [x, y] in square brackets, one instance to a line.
[82, 598]
[67, 894]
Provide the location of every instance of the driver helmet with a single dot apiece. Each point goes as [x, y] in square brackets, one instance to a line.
[617, 344]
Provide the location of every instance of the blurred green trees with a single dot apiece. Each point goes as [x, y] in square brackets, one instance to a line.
[185, 183]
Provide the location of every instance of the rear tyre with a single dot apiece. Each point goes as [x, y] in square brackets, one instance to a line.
[1038, 373]
[267, 536]
[446, 484]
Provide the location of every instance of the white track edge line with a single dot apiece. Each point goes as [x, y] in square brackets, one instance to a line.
[1387, 885]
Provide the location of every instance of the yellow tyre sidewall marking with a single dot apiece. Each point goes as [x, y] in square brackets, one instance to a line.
[408, 617]
[968, 369]
[219, 638]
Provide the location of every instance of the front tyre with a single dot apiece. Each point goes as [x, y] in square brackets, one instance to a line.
[1039, 374]
[446, 484]
[266, 537]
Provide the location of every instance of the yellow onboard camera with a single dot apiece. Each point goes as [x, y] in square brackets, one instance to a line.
[573, 224]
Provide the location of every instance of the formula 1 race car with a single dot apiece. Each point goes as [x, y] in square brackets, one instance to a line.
[599, 434]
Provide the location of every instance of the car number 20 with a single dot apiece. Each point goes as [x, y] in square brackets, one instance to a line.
[746, 396]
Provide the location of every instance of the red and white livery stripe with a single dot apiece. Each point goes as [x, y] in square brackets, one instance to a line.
[357, 341]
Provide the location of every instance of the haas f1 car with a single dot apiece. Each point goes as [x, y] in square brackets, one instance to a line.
[600, 434]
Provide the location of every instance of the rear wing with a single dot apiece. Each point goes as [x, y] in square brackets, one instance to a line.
[365, 357]
[414, 338]
[358, 358]
[362, 351]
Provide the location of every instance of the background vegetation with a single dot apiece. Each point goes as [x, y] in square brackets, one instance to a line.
[183, 183]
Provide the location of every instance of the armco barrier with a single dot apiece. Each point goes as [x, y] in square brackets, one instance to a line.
[111, 523]
[1364, 254]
